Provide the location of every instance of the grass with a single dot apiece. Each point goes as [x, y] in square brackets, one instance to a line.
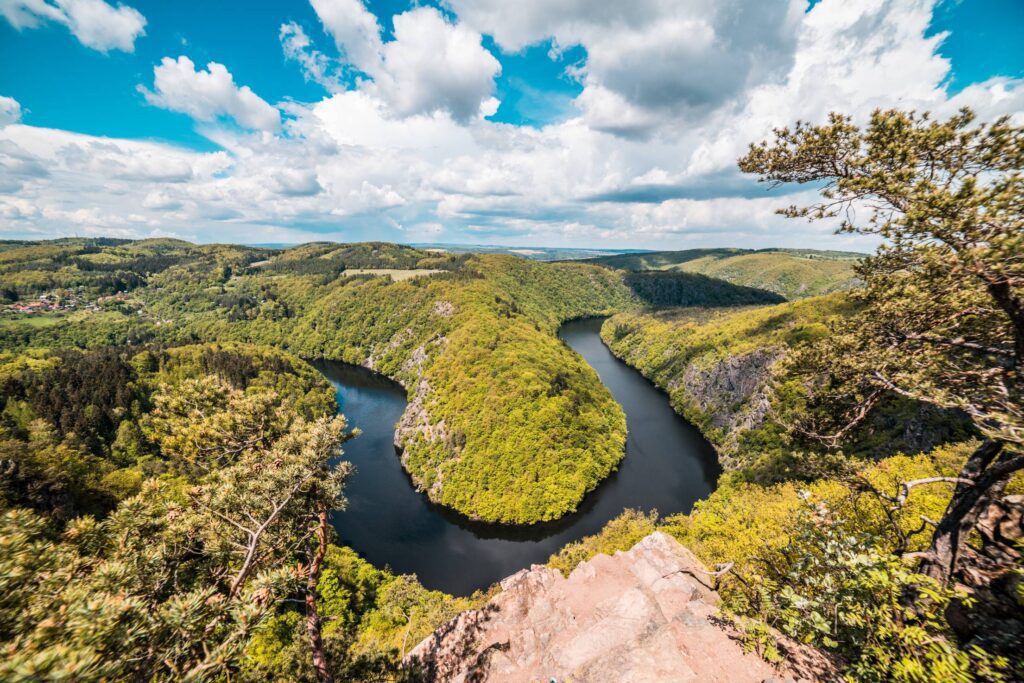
[32, 321]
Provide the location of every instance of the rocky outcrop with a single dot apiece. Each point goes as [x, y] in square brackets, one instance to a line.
[417, 422]
[724, 387]
[732, 393]
[728, 396]
[646, 615]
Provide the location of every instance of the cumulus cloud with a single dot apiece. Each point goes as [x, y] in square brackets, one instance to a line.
[851, 57]
[10, 110]
[993, 97]
[95, 23]
[630, 170]
[207, 95]
[653, 60]
[355, 31]
[431, 64]
[297, 182]
[161, 201]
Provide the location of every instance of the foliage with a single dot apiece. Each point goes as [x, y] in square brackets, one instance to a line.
[372, 617]
[173, 583]
[943, 315]
[620, 534]
[843, 594]
[660, 288]
[75, 428]
[192, 578]
[942, 320]
[329, 260]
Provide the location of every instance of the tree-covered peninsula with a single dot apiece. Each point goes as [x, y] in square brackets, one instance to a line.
[505, 423]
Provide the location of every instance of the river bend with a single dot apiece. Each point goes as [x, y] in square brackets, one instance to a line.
[668, 466]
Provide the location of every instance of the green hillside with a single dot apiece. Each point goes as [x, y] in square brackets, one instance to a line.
[717, 367]
[505, 423]
[791, 273]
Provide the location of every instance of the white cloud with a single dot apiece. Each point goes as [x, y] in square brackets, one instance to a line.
[655, 60]
[851, 57]
[207, 95]
[431, 64]
[355, 31]
[17, 167]
[316, 66]
[385, 161]
[10, 110]
[297, 182]
[161, 201]
[95, 23]
[994, 97]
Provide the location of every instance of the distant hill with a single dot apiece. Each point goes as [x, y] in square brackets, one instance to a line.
[534, 253]
[792, 273]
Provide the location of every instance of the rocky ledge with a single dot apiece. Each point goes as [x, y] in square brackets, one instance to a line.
[646, 615]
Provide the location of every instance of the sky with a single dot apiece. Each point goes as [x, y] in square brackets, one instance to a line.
[569, 123]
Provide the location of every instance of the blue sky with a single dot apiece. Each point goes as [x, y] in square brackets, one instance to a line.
[568, 123]
[97, 93]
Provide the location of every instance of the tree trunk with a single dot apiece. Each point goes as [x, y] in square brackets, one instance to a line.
[1014, 309]
[967, 504]
[316, 643]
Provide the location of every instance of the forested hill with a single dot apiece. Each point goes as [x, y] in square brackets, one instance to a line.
[131, 478]
[505, 423]
[718, 366]
[791, 273]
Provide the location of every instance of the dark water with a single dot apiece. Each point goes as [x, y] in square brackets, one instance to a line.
[668, 466]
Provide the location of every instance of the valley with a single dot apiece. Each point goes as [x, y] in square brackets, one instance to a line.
[667, 466]
[472, 418]
[476, 341]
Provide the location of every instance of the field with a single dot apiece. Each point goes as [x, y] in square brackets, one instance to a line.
[791, 273]
[396, 274]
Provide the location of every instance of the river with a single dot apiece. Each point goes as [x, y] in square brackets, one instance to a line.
[668, 466]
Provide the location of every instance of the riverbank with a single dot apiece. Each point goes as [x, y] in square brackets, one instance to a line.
[668, 466]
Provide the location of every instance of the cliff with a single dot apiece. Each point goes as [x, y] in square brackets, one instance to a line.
[648, 614]
[717, 367]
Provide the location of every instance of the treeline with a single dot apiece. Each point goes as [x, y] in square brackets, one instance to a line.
[791, 273]
[672, 288]
[75, 426]
[102, 267]
[328, 260]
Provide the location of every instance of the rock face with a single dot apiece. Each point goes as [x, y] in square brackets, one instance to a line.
[737, 380]
[646, 615]
[732, 392]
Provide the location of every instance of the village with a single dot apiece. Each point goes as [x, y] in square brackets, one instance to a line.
[60, 300]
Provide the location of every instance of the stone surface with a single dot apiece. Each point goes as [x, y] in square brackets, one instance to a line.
[733, 392]
[646, 615]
